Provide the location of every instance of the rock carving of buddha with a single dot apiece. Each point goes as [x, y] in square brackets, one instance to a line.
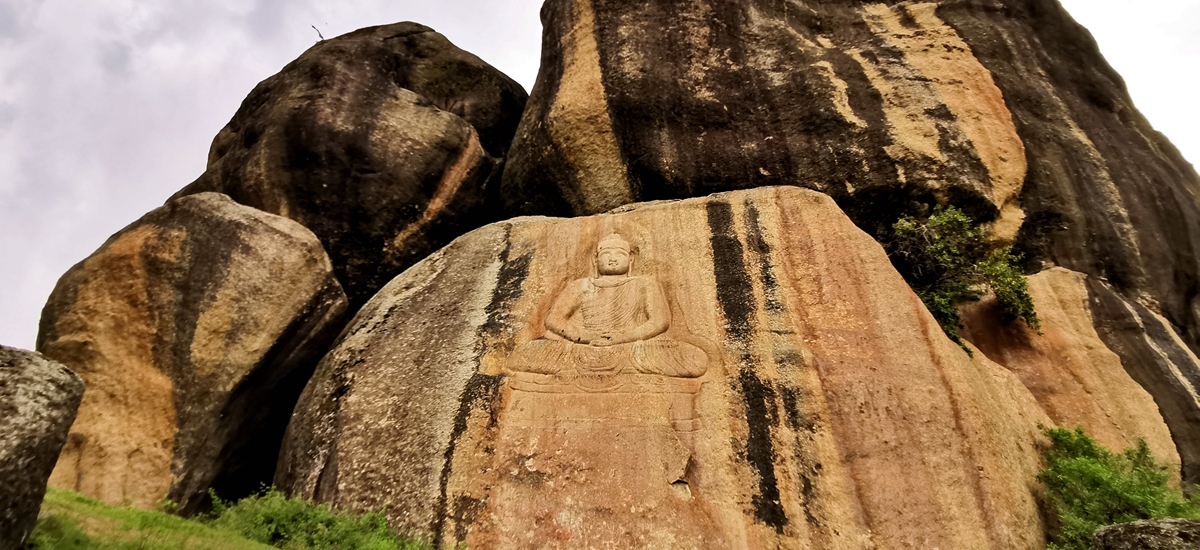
[609, 324]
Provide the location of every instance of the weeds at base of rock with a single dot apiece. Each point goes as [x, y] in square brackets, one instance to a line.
[70, 521]
[1089, 487]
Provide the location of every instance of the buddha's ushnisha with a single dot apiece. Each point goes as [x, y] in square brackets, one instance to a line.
[611, 323]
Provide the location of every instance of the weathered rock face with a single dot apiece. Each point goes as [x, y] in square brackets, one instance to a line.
[38, 401]
[1105, 195]
[757, 375]
[1152, 534]
[1076, 379]
[1156, 357]
[195, 328]
[653, 100]
[381, 141]
[1003, 107]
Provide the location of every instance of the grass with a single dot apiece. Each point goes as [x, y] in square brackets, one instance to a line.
[70, 521]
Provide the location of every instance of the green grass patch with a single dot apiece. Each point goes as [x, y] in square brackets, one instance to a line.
[1090, 487]
[70, 521]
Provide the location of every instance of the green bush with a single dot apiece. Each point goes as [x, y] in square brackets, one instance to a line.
[1090, 486]
[272, 518]
[947, 261]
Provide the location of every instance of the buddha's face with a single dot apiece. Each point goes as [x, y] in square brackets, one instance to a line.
[612, 261]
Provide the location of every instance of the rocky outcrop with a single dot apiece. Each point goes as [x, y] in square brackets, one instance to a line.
[38, 401]
[195, 328]
[1151, 534]
[755, 375]
[1003, 107]
[1105, 194]
[1075, 377]
[655, 100]
[381, 141]
[1159, 359]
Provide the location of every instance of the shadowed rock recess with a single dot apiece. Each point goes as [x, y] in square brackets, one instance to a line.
[382, 141]
[1004, 108]
[38, 401]
[756, 376]
[195, 329]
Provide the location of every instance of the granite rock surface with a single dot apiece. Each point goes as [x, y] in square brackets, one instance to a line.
[1077, 379]
[1152, 534]
[195, 329]
[38, 402]
[1004, 108]
[757, 375]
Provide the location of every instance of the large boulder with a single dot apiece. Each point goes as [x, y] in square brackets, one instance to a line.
[38, 401]
[382, 142]
[759, 377]
[195, 328]
[656, 100]
[1003, 107]
[1075, 377]
[1150, 534]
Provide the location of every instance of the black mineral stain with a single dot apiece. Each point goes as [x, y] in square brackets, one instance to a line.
[808, 491]
[482, 392]
[758, 244]
[760, 451]
[734, 292]
[736, 297]
[466, 509]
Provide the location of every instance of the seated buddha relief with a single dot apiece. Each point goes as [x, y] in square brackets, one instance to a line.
[612, 323]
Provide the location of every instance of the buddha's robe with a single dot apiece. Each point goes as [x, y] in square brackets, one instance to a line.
[623, 306]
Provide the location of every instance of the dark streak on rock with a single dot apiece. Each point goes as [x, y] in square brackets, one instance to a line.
[734, 292]
[533, 173]
[1138, 338]
[758, 244]
[761, 413]
[466, 509]
[806, 489]
[791, 408]
[736, 297]
[482, 392]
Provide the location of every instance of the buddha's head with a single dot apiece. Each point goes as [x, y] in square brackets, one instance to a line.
[612, 255]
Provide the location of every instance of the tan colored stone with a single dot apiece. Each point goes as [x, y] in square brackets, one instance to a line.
[473, 400]
[1003, 108]
[966, 88]
[1077, 380]
[195, 329]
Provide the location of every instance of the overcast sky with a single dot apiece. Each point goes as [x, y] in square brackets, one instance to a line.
[107, 107]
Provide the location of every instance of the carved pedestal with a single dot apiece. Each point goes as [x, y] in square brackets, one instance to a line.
[596, 461]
